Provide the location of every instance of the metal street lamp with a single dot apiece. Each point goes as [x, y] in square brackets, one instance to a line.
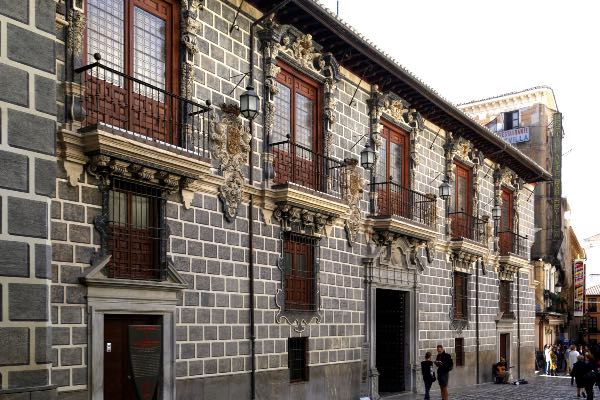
[249, 103]
[444, 190]
[496, 212]
[367, 157]
[557, 287]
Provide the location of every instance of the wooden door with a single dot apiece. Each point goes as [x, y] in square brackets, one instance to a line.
[134, 38]
[461, 218]
[507, 238]
[392, 192]
[299, 278]
[504, 345]
[118, 379]
[390, 340]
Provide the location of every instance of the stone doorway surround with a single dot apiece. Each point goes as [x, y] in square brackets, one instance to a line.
[123, 296]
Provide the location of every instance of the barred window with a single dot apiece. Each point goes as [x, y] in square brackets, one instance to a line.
[505, 296]
[298, 359]
[136, 236]
[299, 253]
[461, 295]
[593, 324]
[459, 350]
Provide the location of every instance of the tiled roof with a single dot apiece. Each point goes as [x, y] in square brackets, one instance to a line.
[505, 95]
[593, 290]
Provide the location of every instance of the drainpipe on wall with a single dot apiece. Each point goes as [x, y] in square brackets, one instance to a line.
[477, 265]
[251, 209]
[415, 368]
[518, 324]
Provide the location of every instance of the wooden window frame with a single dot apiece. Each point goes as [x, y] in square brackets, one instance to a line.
[592, 305]
[295, 245]
[459, 351]
[172, 59]
[505, 298]
[593, 324]
[389, 132]
[510, 116]
[298, 353]
[296, 77]
[461, 296]
[459, 166]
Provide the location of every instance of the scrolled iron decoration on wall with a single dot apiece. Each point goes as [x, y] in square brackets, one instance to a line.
[230, 144]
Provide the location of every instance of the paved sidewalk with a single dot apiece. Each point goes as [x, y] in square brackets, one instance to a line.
[539, 388]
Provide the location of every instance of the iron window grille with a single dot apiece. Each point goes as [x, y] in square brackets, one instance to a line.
[461, 295]
[300, 275]
[505, 297]
[136, 232]
[298, 359]
[459, 349]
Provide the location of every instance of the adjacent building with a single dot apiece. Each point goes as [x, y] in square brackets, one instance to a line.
[161, 240]
[592, 299]
[530, 120]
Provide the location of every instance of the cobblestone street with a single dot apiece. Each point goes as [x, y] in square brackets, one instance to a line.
[539, 387]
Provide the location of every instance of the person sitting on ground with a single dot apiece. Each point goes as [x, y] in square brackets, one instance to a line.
[501, 371]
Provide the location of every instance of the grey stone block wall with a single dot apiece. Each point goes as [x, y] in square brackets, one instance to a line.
[27, 178]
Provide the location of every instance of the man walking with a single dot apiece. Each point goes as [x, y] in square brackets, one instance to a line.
[573, 354]
[445, 364]
[547, 358]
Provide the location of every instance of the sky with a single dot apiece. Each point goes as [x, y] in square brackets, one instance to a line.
[473, 49]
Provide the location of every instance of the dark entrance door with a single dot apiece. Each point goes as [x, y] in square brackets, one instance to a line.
[118, 377]
[390, 333]
[504, 345]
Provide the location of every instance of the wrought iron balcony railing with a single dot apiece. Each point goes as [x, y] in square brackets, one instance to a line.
[512, 243]
[465, 226]
[125, 103]
[392, 199]
[297, 164]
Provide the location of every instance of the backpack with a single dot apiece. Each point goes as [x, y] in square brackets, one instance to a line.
[433, 378]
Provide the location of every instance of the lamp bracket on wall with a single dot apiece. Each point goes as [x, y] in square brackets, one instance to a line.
[434, 139]
[243, 75]
[234, 25]
[362, 77]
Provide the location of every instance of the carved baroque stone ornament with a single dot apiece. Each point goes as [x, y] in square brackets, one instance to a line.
[76, 30]
[301, 220]
[354, 184]
[299, 50]
[398, 110]
[190, 23]
[230, 144]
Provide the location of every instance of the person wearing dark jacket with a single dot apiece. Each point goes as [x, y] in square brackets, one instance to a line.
[583, 372]
[445, 364]
[428, 374]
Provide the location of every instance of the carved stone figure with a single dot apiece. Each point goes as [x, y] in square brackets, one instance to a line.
[354, 184]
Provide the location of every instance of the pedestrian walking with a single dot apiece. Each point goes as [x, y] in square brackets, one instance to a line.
[589, 379]
[572, 359]
[580, 368]
[428, 374]
[444, 363]
[553, 359]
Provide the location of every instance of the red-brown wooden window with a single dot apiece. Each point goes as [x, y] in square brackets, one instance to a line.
[299, 258]
[135, 231]
[461, 295]
[459, 350]
[505, 296]
[136, 37]
[463, 188]
[296, 109]
[392, 172]
[298, 359]
[506, 234]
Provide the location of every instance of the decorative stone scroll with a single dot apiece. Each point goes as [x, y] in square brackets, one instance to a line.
[398, 110]
[230, 144]
[506, 272]
[299, 50]
[190, 23]
[301, 220]
[354, 184]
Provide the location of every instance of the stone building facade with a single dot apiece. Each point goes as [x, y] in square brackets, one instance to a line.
[197, 254]
[530, 120]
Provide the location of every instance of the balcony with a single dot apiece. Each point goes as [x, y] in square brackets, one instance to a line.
[132, 124]
[465, 226]
[401, 210]
[510, 243]
[308, 180]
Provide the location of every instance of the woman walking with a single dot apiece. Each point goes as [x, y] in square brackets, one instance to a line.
[553, 359]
